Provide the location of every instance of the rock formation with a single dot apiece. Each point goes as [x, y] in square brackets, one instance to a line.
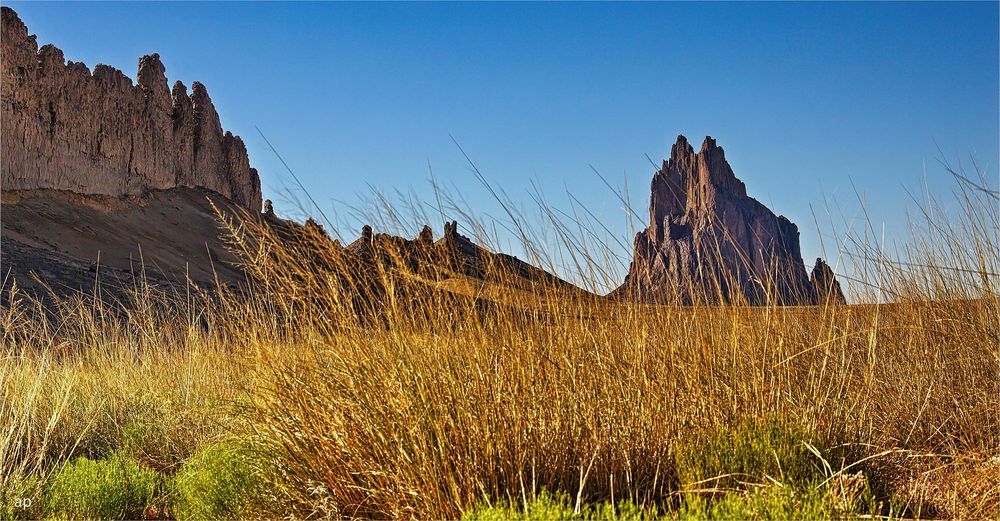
[453, 255]
[824, 284]
[708, 242]
[66, 128]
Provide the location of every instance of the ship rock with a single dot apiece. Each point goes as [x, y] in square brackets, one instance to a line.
[708, 242]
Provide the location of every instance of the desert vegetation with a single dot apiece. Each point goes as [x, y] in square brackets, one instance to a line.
[325, 391]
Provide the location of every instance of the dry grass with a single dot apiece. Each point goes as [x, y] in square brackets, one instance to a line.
[418, 402]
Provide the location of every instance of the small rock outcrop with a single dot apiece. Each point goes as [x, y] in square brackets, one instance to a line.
[709, 242]
[67, 128]
[825, 285]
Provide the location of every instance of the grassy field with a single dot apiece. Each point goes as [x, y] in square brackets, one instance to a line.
[423, 403]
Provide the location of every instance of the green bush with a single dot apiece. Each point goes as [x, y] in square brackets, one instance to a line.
[753, 453]
[558, 507]
[117, 487]
[766, 470]
[19, 497]
[771, 502]
[220, 481]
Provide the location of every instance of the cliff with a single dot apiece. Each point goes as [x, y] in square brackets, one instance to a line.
[67, 128]
[709, 242]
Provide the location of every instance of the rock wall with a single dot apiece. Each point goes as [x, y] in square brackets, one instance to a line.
[67, 128]
[709, 242]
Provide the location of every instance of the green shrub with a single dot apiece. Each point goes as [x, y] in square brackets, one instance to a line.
[117, 487]
[766, 470]
[753, 453]
[220, 481]
[19, 497]
[558, 507]
[770, 502]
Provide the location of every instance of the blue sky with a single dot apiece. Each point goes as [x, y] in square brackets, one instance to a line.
[805, 98]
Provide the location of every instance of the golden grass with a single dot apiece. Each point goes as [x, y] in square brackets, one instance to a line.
[415, 401]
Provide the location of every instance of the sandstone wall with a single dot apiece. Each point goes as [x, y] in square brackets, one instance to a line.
[67, 128]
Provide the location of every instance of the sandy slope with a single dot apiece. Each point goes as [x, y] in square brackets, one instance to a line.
[67, 239]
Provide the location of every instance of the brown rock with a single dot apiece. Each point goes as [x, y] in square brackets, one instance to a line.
[453, 255]
[64, 128]
[709, 242]
[244, 183]
[825, 285]
[182, 116]
[426, 236]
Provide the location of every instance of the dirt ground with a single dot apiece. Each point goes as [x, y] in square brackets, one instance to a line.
[75, 242]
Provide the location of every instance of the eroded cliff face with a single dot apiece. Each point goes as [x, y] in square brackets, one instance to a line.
[708, 242]
[67, 128]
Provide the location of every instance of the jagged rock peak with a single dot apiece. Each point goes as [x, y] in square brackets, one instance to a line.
[825, 285]
[708, 241]
[199, 91]
[426, 235]
[681, 148]
[64, 128]
[450, 229]
[179, 90]
[152, 73]
[13, 23]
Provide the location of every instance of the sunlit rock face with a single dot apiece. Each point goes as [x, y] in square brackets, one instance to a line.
[67, 128]
[709, 242]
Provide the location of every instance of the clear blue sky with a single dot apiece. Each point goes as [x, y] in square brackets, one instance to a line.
[804, 97]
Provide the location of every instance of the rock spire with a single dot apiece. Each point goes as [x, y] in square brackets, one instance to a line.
[709, 242]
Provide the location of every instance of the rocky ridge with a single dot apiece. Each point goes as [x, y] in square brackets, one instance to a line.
[709, 242]
[65, 127]
[379, 269]
[453, 255]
